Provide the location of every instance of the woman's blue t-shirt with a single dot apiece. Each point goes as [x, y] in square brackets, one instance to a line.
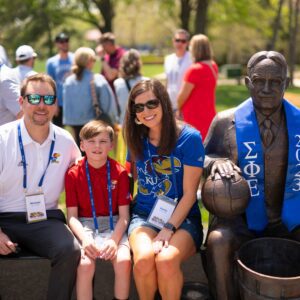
[189, 151]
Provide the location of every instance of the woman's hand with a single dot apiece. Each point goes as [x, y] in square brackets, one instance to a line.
[109, 250]
[89, 247]
[162, 240]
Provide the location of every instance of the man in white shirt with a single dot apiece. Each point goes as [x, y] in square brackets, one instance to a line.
[34, 156]
[9, 95]
[176, 64]
[25, 57]
[3, 56]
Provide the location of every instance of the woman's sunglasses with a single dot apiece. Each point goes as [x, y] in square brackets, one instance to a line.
[35, 99]
[150, 104]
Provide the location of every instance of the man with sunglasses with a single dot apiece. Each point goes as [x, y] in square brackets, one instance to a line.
[261, 139]
[59, 67]
[34, 156]
[176, 64]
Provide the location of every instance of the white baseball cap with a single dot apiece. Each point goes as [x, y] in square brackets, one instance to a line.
[25, 52]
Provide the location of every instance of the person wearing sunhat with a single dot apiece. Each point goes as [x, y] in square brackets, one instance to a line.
[25, 57]
[59, 67]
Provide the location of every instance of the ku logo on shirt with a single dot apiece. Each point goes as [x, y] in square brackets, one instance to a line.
[55, 158]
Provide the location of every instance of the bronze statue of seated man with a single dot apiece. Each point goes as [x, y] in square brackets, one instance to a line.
[261, 139]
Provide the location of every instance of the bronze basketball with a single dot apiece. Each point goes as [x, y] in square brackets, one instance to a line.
[226, 197]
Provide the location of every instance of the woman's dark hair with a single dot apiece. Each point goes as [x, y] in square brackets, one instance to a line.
[134, 133]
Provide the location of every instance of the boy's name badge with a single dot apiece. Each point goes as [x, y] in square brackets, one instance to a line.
[161, 211]
[101, 237]
[36, 209]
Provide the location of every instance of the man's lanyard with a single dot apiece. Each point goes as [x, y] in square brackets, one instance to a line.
[24, 160]
[111, 224]
[172, 167]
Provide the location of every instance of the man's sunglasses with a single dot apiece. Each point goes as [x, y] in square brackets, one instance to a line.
[150, 104]
[35, 99]
[180, 41]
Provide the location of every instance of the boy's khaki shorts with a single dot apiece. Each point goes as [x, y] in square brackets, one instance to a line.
[103, 224]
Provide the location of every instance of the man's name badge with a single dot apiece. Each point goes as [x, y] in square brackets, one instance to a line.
[101, 237]
[161, 211]
[36, 209]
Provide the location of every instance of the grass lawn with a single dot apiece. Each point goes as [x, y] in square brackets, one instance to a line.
[228, 96]
[148, 70]
[294, 90]
[152, 70]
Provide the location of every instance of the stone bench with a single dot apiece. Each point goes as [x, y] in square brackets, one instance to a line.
[26, 278]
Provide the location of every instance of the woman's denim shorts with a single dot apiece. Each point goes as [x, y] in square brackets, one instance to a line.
[191, 224]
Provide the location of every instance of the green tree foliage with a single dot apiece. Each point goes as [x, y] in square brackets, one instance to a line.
[24, 21]
[237, 28]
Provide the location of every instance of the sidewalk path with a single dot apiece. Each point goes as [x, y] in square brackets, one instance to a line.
[293, 98]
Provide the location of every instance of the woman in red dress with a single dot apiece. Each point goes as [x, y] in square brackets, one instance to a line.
[196, 99]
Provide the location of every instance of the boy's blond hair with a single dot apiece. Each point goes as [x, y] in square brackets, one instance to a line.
[95, 127]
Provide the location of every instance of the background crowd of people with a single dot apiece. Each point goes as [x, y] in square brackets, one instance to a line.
[190, 72]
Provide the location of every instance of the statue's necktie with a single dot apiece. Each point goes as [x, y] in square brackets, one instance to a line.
[267, 133]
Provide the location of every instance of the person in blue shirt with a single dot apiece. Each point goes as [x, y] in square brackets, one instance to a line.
[77, 93]
[59, 68]
[166, 158]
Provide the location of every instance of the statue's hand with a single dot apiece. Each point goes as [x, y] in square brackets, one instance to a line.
[225, 168]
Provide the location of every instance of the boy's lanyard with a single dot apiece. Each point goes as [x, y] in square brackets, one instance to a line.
[24, 160]
[111, 224]
[172, 167]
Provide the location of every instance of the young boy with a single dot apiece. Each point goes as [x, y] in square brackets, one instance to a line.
[97, 198]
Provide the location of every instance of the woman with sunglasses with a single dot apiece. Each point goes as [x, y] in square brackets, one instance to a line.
[196, 99]
[167, 160]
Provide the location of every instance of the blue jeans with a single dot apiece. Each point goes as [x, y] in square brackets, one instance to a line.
[192, 224]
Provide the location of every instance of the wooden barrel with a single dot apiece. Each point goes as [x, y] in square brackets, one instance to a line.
[269, 268]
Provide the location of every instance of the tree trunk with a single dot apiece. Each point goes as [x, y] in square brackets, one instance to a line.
[106, 9]
[185, 14]
[201, 16]
[294, 7]
[276, 26]
[47, 22]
